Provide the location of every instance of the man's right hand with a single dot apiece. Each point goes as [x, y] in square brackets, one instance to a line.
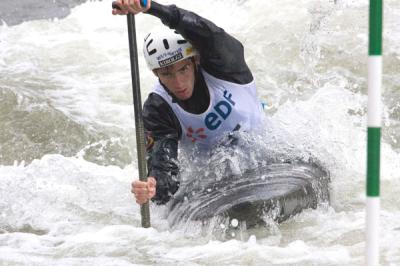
[144, 191]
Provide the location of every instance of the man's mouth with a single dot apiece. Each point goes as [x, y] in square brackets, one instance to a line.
[182, 91]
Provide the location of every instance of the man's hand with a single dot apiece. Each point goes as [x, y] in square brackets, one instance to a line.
[130, 6]
[144, 191]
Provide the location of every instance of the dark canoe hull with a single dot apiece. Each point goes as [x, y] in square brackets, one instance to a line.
[277, 191]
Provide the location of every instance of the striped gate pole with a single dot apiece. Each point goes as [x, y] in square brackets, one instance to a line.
[374, 130]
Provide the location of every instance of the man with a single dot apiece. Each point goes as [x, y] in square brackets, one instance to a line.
[205, 91]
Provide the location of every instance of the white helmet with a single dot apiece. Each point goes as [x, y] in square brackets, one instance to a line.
[166, 47]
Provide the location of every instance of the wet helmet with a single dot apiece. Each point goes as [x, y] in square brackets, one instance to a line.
[166, 47]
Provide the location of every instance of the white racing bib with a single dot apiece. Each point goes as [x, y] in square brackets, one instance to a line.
[232, 107]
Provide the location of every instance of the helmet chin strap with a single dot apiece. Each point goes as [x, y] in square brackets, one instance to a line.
[196, 69]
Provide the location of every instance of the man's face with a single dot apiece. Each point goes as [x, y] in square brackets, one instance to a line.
[179, 78]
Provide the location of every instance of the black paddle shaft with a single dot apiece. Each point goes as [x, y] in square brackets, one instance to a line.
[137, 103]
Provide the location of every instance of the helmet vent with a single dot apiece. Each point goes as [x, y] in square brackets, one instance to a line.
[182, 41]
[166, 44]
[147, 48]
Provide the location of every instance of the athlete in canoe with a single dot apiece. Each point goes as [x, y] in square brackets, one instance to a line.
[205, 90]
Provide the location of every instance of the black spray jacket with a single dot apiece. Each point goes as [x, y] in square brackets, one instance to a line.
[222, 56]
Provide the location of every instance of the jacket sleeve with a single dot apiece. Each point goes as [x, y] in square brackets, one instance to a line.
[163, 132]
[221, 55]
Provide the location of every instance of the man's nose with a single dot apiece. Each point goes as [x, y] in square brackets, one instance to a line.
[179, 79]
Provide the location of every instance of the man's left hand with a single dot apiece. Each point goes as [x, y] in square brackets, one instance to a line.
[130, 6]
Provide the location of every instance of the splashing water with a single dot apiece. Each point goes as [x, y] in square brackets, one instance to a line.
[67, 153]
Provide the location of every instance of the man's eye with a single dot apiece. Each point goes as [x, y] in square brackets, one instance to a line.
[186, 67]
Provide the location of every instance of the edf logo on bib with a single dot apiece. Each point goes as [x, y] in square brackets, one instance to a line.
[221, 111]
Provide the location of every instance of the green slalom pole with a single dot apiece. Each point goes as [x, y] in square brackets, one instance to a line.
[374, 131]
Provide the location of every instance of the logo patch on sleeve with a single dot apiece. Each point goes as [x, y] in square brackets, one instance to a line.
[149, 140]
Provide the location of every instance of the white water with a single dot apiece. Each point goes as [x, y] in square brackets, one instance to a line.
[67, 122]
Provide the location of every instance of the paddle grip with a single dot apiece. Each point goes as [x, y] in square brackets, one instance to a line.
[143, 3]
